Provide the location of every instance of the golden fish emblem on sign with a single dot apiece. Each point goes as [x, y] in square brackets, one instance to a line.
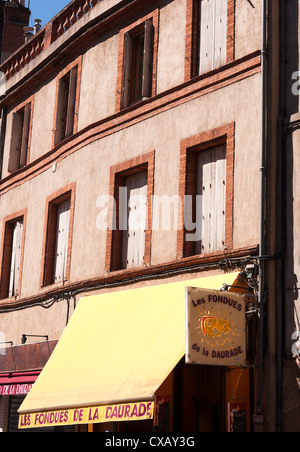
[214, 327]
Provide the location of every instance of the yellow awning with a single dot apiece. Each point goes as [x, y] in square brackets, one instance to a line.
[116, 351]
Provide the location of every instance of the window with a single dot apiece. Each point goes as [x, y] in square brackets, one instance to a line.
[20, 138]
[57, 242]
[66, 105]
[67, 102]
[210, 35]
[134, 204]
[12, 251]
[137, 61]
[206, 188]
[129, 234]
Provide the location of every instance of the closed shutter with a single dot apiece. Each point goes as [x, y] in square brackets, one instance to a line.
[211, 185]
[148, 59]
[126, 70]
[71, 101]
[15, 258]
[14, 405]
[206, 35]
[133, 244]
[220, 198]
[59, 112]
[220, 50]
[25, 135]
[62, 238]
[15, 144]
[213, 34]
[62, 108]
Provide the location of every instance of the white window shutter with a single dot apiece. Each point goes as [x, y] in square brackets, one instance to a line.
[220, 198]
[62, 238]
[15, 258]
[13, 263]
[220, 50]
[212, 34]
[211, 185]
[19, 231]
[133, 244]
[206, 30]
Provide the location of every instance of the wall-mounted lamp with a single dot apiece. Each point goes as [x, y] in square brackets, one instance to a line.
[25, 336]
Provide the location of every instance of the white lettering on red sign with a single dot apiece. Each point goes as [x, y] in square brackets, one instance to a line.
[23, 389]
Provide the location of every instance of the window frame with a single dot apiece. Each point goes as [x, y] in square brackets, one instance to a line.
[19, 158]
[6, 253]
[150, 61]
[118, 173]
[192, 37]
[189, 148]
[50, 235]
[72, 108]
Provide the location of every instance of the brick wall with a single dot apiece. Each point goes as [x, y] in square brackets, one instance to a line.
[16, 17]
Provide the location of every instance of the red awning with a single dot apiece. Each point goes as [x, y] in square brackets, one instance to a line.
[17, 383]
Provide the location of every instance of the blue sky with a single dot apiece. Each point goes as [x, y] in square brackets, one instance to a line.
[45, 9]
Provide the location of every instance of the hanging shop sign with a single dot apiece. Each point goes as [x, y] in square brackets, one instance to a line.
[215, 328]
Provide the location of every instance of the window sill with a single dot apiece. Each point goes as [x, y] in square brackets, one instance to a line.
[55, 285]
[10, 300]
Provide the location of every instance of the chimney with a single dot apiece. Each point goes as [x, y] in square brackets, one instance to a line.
[37, 25]
[28, 33]
[15, 18]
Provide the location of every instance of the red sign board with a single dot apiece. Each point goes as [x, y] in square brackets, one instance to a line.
[20, 389]
[17, 383]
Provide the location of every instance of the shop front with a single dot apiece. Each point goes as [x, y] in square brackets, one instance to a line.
[20, 367]
[120, 366]
[13, 389]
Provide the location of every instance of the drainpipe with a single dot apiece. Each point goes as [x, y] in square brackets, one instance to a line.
[280, 202]
[258, 418]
